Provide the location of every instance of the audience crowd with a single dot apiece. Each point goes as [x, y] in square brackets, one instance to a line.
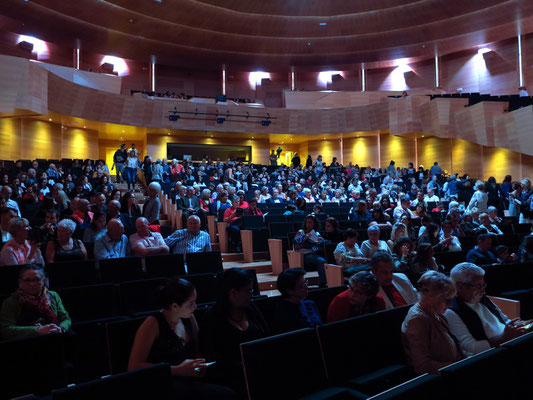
[71, 211]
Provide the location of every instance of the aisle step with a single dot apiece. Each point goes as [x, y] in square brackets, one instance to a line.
[259, 266]
[269, 281]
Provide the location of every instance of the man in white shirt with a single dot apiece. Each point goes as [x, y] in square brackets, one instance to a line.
[6, 214]
[476, 322]
[144, 242]
[403, 208]
[430, 197]
[6, 192]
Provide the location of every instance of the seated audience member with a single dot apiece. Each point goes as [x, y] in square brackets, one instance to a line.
[152, 205]
[97, 229]
[49, 228]
[81, 215]
[252, 208]
[398, 231]
[99, 204]
[172, 336]
[294, 311]
[359, 299]
[503, 257]
[469, 226]
[114, 244]
[332, 232]
[427, 341]
[6, 192]
[206, 200]
[486, 224]
[6, 215]
[526, 249]
[348, 254]
[32, 309]
[19, 250]
[481, 254]
[190, 239]
[233, 216]
[360, 212]
[477, 323]
[403, 255]
[447, 233]
[231, 321]
[424, 260]
[189, 204]
[65, 248]
[113, 212]
[493, 215]
[221, 203]
[432, 236]
[144, 242]
[373, 244]
[129, 207]
[394, 288]
[403, 208]
[290, 209]
[309, 241]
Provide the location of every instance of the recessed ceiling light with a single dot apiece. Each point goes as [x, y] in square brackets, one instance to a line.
[49, 119]
[422, 135]
[123, 131]
[357, 135]
[211, 135]
[309, 43]
[131, 20]
[282, 142]
[84, 126]
[252, 137]
[323, 23]
[324, 138]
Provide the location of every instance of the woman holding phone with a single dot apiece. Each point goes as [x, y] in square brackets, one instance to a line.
[171, 336]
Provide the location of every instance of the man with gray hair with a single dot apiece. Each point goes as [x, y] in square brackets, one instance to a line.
[6, 192]
[114, 244]
[477, 323]
[190, 239]
[152, 205]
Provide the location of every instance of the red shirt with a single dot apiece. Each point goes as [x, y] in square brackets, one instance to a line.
[228, 212]
[341, 308]
[394, 296]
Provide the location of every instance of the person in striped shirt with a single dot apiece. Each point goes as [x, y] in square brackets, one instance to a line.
[189, 240]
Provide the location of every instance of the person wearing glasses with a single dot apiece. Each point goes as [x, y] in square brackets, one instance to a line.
[294, 311]
[32, 309]
[427, 340]
[474, 319]
[359, 299]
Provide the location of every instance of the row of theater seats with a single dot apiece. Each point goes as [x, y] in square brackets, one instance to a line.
[115, 270]
[98, 347]
[362, 358]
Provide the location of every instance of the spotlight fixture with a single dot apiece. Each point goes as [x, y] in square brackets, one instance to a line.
[173, 117]
[266, 122]
[220, 120]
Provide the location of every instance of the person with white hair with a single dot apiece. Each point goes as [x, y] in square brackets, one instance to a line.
[19, 250]
[145, 242]
[6, 192]
[479, 198]
[152, 206]
[65, 248]
[476, 322]
[189, 240]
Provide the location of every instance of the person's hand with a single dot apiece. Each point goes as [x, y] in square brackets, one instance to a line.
[50, 328]
[513, 257]
[191, 367]
[512, 330]
[405, 250]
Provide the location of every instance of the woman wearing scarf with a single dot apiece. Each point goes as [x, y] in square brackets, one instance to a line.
[32, 309]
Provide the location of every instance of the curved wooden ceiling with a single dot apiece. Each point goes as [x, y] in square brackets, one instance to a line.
[273, 35]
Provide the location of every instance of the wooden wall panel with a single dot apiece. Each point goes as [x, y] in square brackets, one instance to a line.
[326, 148]
[431, 149]
[361, 150]
[80, 143]
[10, 135]
[41, 139]
[467, 158]
[397, 148]
[404, 114]
[498, 162]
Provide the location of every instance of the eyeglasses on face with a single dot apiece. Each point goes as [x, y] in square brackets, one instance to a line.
[478, 287]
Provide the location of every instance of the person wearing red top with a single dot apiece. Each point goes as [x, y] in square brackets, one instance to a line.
[252, 208]
[206, 200]
[359, 299]
[232, 216]
[394, 289]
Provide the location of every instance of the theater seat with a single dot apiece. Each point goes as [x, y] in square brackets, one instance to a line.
[154, 382]
[86, 303]
[114, 270]
[288, 366]
[72, 273]
[138, 296]
[120, 336]
[32, 365]
[164, 265]
[422, 387]
[206, 262]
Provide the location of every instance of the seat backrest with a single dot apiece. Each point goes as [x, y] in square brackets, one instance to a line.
[271, 218]
[85, 303]
[164, 265]
[166, 230]
[260, 239]
[205, 262]
[154, 382]
[252, 222]
[120, 336]
[206, 286]
[422, 387]
[34, 364]
[137, 296]
[270, 369]
[115, 270]
[360, 356]
[72, 273]
[9, 278]
[296, 218]
[279, 229]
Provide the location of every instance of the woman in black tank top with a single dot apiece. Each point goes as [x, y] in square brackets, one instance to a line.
[171, 336]
[65, 248]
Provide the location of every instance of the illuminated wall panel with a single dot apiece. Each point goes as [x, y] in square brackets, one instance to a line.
[467, 158]
[399, 149]
[80, 143]
[40, 140]
[498, 162]
[361, 150]
[434, 149]
[328, 149]
[10, 138]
